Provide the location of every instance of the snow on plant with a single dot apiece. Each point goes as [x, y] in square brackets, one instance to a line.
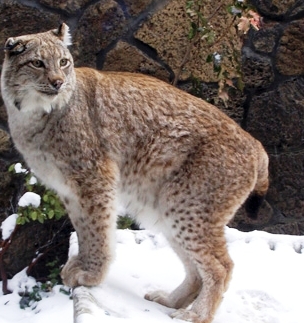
[18, 168]
[38, 203]
[30, 199]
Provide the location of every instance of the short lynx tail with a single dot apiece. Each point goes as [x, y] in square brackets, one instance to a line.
[257, 196]
[252, 205]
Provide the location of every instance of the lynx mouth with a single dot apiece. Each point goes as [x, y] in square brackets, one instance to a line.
[49, 92]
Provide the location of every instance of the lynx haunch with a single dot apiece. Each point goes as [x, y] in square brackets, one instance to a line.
[178, 164]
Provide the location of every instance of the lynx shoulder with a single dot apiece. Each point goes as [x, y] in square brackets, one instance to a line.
[178, 164]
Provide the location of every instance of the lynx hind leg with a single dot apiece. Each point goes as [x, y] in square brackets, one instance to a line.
[184, 294]
[197, 227]
[208, 271]
[214, 265]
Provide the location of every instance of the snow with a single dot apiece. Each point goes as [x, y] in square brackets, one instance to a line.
[29, 198]
[8, 226]
[33, 180]
[20, 169]
[267, 284]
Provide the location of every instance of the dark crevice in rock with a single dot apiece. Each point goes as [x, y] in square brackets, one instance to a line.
[151, 53]
[246, 107]
[132, 25]
[124, 8]
[274, 13]
[299, 5]
[101, 56]
[35, 4]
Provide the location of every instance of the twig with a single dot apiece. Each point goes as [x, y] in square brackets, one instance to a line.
[3, 248]
[184, 62]
[215, 11]
[223, 35]
[192, 43]
[41, 255]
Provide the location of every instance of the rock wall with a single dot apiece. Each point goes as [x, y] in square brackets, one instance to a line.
[150, 36]
[274, 108]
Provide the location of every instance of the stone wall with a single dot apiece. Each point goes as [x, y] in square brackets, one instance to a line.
[150, 36]
[274, 108]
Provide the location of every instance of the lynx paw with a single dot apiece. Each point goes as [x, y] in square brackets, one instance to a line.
[74, 275]
[186, 315]
[159, 297]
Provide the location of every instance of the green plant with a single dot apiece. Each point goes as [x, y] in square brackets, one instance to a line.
[225, 60]
[199, 25]
[37, 293]
[50, 206]
[29, 298]
[54, 275]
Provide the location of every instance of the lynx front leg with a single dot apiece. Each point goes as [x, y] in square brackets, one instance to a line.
[93, 216]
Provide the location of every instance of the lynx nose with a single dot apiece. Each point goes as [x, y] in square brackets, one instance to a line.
[57, 84]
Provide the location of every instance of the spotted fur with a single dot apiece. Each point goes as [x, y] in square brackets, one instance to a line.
[176, 162]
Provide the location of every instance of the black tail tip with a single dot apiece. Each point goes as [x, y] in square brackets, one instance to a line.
[253, 204]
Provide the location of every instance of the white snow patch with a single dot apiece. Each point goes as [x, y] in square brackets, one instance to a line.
[29, 198]
[20, 169]
[267, 285]
[8, 226]
[33, 180]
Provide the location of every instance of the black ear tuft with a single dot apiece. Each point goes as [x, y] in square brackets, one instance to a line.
[14, 46]
[63, 33]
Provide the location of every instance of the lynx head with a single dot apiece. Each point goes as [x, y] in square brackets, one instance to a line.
[38, 70]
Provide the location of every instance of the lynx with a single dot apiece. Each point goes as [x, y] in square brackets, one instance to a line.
[177, 163]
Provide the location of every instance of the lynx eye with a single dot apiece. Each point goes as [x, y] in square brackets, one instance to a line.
[37, 63]
[64, 62]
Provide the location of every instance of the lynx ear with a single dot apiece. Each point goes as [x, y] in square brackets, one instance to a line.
[14, 46]
[63, 33]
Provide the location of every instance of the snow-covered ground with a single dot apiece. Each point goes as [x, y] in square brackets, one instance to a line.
[267, 283]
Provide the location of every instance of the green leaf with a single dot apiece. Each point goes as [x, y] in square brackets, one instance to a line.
[65, 290]
[240, 84]
[11, 169]
[58, 215]
[40, 218]
[20, 220]
[217, 69]
[51, 214]
[192, 31]
[34, 215]
[209, 58]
